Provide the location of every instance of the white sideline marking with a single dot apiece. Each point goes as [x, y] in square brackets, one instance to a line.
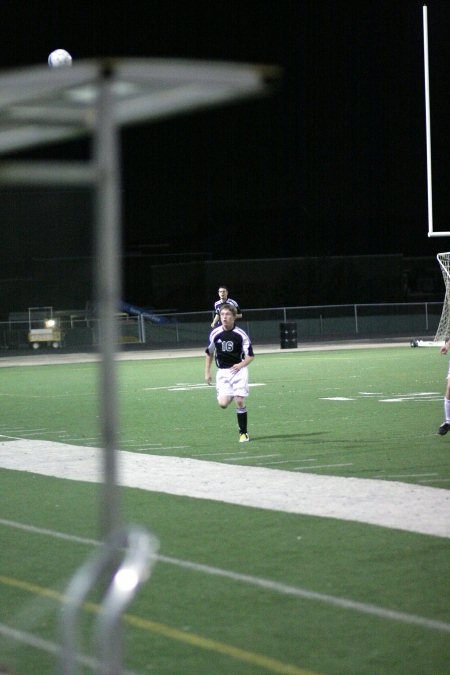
[190, 387]
[320, 466]
[267, 584]
[46, 646]
[336, 398]
[398, 398]
[222, 454]
[408, 475]
[436, 480]
[403, 506]
[277, 454]
[290, 461]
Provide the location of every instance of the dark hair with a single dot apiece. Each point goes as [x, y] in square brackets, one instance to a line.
[232, 308]
[223, 286]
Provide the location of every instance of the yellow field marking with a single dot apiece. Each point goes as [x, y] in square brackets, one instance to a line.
[266, 662]
[31, 588]
[192, 639]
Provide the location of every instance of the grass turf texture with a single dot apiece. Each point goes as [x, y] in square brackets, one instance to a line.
[289, 422]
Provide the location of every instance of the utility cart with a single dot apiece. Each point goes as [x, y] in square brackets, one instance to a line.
[43, 329]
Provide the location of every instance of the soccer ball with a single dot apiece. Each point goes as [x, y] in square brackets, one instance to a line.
[59, 58]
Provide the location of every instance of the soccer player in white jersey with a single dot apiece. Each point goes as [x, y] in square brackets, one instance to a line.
[233, 352]
[223, 298]
[445, 426]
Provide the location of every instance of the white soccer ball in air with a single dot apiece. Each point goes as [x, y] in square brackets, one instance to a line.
[59, 58]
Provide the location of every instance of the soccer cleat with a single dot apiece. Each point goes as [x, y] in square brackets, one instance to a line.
[243, 438]
[443, 428]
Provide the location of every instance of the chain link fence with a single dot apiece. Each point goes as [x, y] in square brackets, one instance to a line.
[79, 329]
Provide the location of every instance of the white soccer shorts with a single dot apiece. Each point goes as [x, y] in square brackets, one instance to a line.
[230, 383]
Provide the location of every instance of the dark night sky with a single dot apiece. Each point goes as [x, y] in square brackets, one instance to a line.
[332, 163]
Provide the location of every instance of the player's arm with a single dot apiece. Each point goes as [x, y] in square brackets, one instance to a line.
[216, 318]
[208, 362]
[248, 355]
[245, 362]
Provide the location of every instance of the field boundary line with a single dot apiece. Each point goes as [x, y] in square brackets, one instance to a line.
[266, 584]
[47, 646]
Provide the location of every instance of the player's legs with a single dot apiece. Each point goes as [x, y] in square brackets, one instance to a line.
[224, 388]
[240, 402]
[242, 418]
[447, 390]
[240, 387]
[445, 426]
[224, 401]
[234, 385]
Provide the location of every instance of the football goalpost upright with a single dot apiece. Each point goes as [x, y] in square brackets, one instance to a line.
[443, 331]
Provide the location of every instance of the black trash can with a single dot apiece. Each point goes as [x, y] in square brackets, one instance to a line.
[288, 335]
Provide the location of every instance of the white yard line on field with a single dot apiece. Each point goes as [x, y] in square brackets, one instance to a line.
[47, 646]
[266, 584]
[403, 506]
[320, 466]
[245, 457]
[435, 480]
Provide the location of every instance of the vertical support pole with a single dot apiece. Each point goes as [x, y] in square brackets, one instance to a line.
[140, 324]
[355, 313]
[108, 290]
[427, 120]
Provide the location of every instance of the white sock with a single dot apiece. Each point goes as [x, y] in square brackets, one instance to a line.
[447, 410]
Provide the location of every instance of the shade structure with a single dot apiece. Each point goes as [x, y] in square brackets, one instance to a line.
[41, 105]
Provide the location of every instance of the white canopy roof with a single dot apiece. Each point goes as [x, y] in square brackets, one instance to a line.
[40, 105]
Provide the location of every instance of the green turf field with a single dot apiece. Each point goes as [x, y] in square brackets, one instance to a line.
[238, 590]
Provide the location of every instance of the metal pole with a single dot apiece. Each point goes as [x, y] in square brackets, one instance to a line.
[108, 290]
[427, 120]
[141, 328]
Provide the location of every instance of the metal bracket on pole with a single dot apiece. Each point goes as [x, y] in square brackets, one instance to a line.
[138, 549]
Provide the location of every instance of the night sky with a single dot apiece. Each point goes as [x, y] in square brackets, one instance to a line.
[334, 162]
